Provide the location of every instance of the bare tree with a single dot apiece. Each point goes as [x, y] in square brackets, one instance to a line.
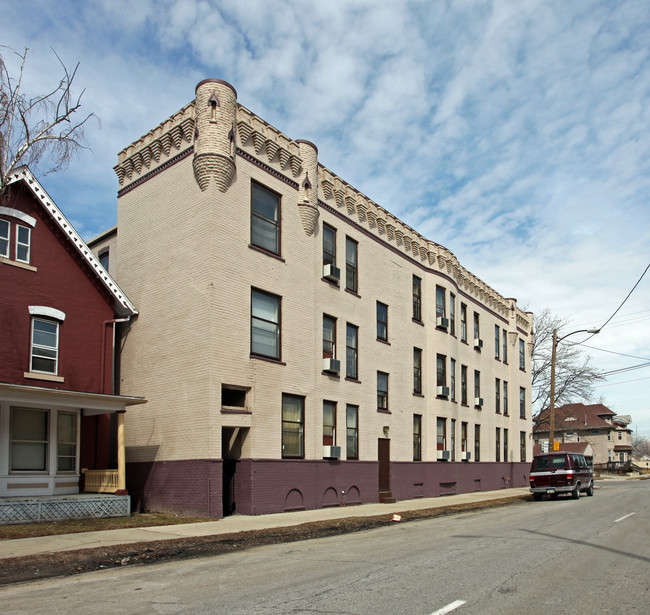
[641, 445]
[46, 129]
[574, 376]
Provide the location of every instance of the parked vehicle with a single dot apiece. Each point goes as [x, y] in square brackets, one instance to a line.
[560, 472]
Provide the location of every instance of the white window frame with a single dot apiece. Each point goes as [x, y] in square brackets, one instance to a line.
[6, 239]
[34, 346]
[20, 244]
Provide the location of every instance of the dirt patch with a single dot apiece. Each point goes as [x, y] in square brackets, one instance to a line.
[85, 560]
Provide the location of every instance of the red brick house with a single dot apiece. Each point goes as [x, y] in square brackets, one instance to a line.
[59, 313]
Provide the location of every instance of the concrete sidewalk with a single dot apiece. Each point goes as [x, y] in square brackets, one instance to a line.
[237, 523]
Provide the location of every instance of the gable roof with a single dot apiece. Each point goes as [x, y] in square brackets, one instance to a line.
[123, 306]
[570, 417]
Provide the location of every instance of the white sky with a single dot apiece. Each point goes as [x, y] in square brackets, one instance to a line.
[513, 133]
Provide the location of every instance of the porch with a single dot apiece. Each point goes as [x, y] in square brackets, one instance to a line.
[30, 509]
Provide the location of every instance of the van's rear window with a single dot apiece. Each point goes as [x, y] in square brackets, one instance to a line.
[544, 463]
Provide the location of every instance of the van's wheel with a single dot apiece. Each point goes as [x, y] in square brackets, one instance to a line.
[537, 496]
[575, 494]
[590, 489]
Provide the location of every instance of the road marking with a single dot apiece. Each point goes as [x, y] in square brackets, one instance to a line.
[625, 517]
[452, 606]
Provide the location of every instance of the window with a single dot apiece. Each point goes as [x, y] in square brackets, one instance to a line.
[351, 352]
[522, 355]
[452, 379]
[463, 322]
[463, 438]
[477, 443]
[329, 245]
[505, 345]
[463, 384]
[265, 219]
[351, 281]
[452, 439]
[45, 346]
[522, 403]
[452, 313]
[265, 324]
[29, 440]
[440, 302]
[66, 442]
[233, 396]
[382, 391]
[477, 383]
[293, 421]
[104, 258]
[5, 236]
[505, 444]
[522, 446]
[417, 370]
[382, 321]
[441, 434]
[497, 341]
[441, 370]
[23, 237]
[497, 395]
[477, 328]
[329, 337]
[417, 437]
[352, 431]
[329, 423]
[498, 444]
[505, 398]
[417, 299]
[620, 435]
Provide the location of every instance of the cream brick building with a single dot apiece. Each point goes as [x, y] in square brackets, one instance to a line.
[299, 345]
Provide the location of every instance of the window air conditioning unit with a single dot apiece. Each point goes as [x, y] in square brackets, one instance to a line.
[331, 452]
[442, 322]
[444, 455]
[465, 456]
[478, 343]
[331, 273]
[478, 401]
[442, 391]
[331, 366]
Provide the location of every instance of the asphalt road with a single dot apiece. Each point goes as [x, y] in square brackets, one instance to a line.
[563, 556]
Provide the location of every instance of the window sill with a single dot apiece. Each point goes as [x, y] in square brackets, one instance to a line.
[353, 292]
[48, 377]
[352, 380]
[267, 252]
[331, 375]
[7, 261]
[384, 411]
[332, 282]
[417, 322]
[383, 341]
[234, 410]
[415, 394]
[267, 359]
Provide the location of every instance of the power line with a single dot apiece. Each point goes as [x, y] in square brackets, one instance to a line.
[622, 304]
[625, 369]
[620, 354]
[611, 384]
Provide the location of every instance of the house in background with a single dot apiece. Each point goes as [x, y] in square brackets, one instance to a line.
[300, 346]
[606, 432]
[61, 421]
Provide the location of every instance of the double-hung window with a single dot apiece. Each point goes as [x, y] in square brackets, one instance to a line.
[522, 446]
[417, 437]
[505, 398]
[498, 444]
[504, 334]
[497, 341]
[463, 322]
[440, 302]
[382, 321]
[23, 243]
[265, 324]
[352, 431]
[477, 443]
[351, 272]
[497, 395]
[463, 384]
[522, 403]
[329, 423]
[417, 370]
[452, 313]
[66, 442]
[329, 245]
[351, 352]
[452, 379]
[265, 219]
[477, 385]
[441, 370]
[45, 346]
[5, 238]
[293, 425]
[441, 434]
[477, 328]
[329, 337]
[417, 299]
[522, 355]
[505, 444]
[29, 440]
[382, 391]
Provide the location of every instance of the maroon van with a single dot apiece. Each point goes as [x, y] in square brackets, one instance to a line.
[560, 472]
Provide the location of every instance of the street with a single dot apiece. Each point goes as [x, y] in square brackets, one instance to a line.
[564, 556]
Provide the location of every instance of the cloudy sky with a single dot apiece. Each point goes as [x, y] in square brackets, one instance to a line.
[514, 133]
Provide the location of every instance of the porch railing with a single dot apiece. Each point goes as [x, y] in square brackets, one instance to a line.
[100, 481]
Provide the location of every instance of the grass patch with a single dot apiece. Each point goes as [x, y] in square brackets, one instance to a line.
[74, 526]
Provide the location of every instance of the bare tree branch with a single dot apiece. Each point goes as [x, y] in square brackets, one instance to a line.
[574, 376]
[40, 130]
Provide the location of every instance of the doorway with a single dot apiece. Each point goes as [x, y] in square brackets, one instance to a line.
[232, 439]
[383, 455]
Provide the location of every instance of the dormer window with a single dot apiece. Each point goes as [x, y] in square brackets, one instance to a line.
[20, 251]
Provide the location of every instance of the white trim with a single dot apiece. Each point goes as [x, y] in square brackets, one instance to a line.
[24, 174]
[50, 312]
[14, 213]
